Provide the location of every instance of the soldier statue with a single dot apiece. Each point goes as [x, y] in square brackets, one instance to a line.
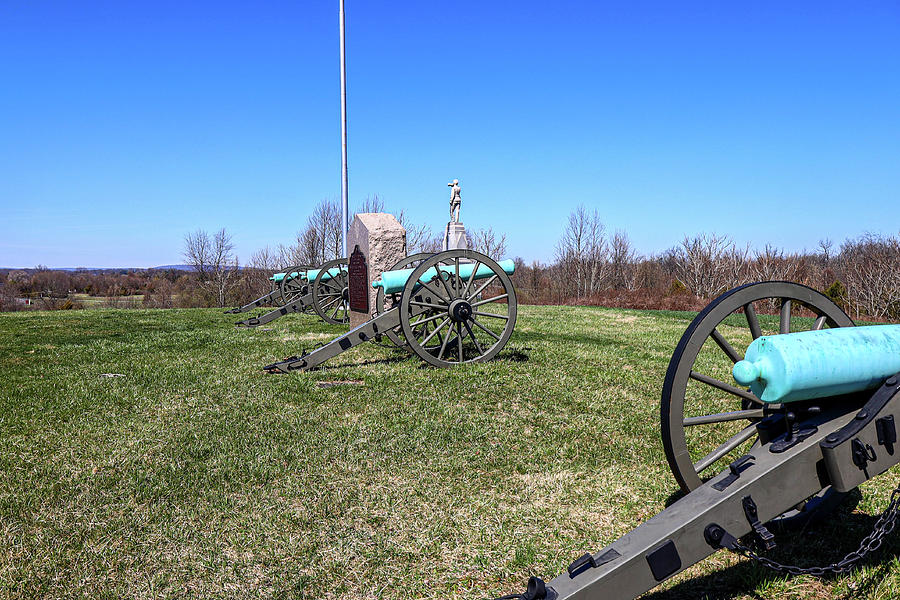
[455, 201]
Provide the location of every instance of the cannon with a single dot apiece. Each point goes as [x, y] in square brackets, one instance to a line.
[799, 408]
[449, 308]
[279, 294]
[301, 289]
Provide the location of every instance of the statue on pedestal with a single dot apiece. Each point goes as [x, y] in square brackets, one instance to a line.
[455, 235]
[455, 201]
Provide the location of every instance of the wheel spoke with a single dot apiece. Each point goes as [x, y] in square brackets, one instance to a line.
[752, 320]
[440, 275]
[474, 339]
[433, 333]
[485, 329]
[427, 305]
[820, 323]
[336, 309]
[444, 344]
[471, 279]
[721, 385]
[785, 322]
[426, 320]
[440, 337]
[727, 348]
[327, 305]
[459, 340]
[484, 314]
[439, 296]
[494, 299]
[737, 415]
[729, 445]
[486, 283]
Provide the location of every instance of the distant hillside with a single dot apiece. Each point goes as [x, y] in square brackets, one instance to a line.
[105, 269]
[171, 267]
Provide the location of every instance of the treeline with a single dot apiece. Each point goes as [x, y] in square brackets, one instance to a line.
[47, 289]
[591, 266]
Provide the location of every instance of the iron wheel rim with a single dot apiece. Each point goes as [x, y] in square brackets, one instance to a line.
[444, 292]
[750, 409]
[329, 295]
[294, 287]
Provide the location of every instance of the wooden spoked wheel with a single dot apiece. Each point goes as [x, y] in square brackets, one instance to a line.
[294, 284]
[330, 292]
[474, 317]
[706, 420]
[386, 302]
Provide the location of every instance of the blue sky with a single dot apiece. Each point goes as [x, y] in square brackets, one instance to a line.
[124, 125]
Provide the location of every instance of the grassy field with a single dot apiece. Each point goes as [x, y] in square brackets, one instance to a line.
[144, 454]
[88, 301]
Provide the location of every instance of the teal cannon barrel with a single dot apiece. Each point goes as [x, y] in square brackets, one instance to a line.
[309, 275]
[394, 281]
[278, 277]
[817, 364]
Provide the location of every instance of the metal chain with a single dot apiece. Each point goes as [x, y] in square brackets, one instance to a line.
[883, 526]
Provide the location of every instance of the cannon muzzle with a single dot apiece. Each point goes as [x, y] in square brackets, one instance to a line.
[819, 364]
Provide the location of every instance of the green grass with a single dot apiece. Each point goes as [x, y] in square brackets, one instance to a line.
[88, 301]
[195, 474]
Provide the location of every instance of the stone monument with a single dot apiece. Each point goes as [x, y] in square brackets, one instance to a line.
[374, 243]
[455, 234]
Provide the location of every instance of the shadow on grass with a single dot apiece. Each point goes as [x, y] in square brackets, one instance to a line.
[398, 357]
[514, 354]
[823, 541]
[674, 497]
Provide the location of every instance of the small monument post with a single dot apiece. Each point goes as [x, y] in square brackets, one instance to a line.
[374, 243]
[455, 234]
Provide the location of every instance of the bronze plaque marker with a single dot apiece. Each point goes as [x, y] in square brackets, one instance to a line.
[358, 275]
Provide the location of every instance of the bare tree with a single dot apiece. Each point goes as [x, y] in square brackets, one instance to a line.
[487, 241]
[772, 265]
[213, 261]
[254, 281]
[266, 259]
[419, 237]
[372, 204]
[707, 264]
[871, 270]
[320, 241]
[825, 246]
[582, 254]
[622, 258]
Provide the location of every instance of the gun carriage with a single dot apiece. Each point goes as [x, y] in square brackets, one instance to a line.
[449, 308]
[812, 414]
[276, 296]
[300, 289]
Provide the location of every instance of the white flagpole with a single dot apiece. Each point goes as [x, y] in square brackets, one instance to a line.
[345, 211]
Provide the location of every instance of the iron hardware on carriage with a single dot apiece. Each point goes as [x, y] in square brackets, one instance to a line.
[812, 415]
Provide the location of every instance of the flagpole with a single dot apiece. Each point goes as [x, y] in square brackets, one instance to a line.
[345, 212]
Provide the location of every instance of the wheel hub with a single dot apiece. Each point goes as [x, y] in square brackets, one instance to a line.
[460, 310]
